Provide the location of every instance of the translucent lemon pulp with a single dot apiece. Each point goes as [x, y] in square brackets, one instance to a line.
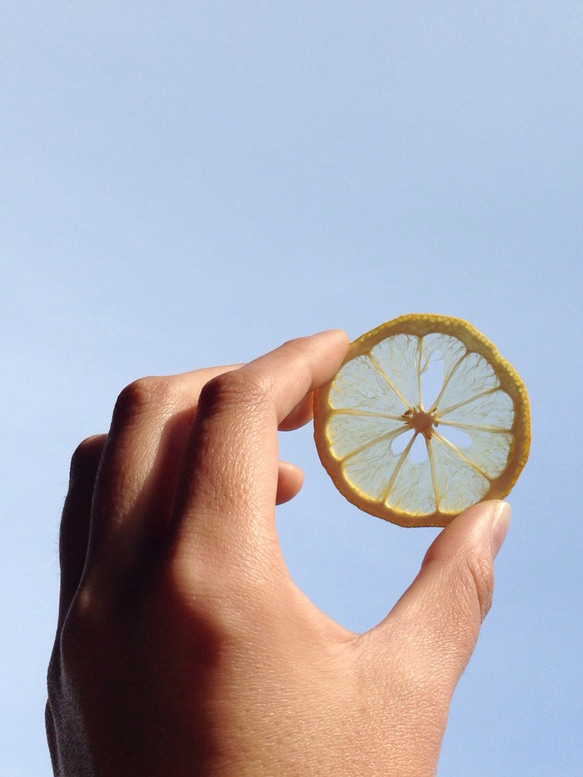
[423, 419]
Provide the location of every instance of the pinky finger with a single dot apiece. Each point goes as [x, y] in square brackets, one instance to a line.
[290, 479]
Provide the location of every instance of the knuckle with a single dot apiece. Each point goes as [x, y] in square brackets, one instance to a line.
[296, 344]
[238, 387]
[299, 354]
[194, 597]
[141, 395]
[86, 454]
[78, 629]
[217, 607]
[478, 578]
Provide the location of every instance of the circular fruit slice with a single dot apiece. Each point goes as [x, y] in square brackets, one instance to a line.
[423, 419]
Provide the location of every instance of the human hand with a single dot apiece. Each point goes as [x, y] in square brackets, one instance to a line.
[184, 648]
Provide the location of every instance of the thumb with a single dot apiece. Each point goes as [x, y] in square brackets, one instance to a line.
[437, 621]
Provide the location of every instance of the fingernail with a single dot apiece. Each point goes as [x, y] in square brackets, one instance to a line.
[500, 526]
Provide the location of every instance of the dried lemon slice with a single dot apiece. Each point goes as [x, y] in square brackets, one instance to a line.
[423, 419]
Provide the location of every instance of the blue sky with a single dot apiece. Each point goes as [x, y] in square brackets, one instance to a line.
[186, 184]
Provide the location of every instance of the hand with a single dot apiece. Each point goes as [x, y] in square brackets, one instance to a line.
[184, 648]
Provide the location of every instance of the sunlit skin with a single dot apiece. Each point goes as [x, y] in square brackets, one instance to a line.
[184, 648]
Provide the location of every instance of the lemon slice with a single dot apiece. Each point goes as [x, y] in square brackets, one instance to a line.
[423, 419]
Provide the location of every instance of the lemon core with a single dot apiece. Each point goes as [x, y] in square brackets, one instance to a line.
[420, 421]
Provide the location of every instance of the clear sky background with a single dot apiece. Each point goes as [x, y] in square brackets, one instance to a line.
[192, 183]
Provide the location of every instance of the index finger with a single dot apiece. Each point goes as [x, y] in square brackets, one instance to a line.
[230, 477]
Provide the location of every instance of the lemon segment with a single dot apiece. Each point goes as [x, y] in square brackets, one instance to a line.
[423, 419]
